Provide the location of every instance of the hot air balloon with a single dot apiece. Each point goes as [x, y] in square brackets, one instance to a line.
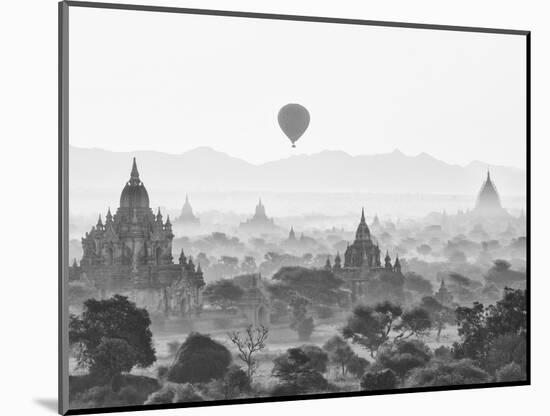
[293, 120]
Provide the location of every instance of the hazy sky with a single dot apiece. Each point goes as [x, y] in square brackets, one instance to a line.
[170, 82]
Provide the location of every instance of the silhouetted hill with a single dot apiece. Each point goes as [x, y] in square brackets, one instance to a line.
[205, 169]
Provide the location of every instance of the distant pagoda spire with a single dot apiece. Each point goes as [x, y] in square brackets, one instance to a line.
[337, 261]
[109, 216]
[397, 264]
[328, 266]
[182, 259]
[387, 261]
[488, 199]
[292, 234]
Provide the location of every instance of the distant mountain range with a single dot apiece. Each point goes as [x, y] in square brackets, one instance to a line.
[205, 169]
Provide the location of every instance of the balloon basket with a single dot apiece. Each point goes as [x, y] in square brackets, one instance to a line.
[293, 145]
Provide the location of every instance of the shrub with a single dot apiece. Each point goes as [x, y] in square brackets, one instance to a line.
[175, 393]
[403, 356]
[318, 359]
[298, 373]
[339, 352]
[199, 359]
[133, 390]
[443, 353]
[511, 372]
[447, 373]
[505, 350]
[380, 380]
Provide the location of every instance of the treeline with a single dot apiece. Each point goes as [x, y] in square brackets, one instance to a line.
[112, 336]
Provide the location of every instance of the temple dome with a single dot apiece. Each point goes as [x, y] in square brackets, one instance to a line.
[134, 194]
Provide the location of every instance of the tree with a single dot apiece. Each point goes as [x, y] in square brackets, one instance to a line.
[473, 332]
[250, 343]
[414, 322]
[462, 287]
[418, 284]
[339, 352]
[249, 265]
[319, 286]
[235, 382]
[379, 380]
[199, 359]
[112, 357]
[112, 336]
[424, 249]
[318, 359]
[223, 293]
[509, 315]
[440, 315]
[297, 373]
[403, 356]
[226, 266]
[370, 326]
[483, 331]
[502, 275]
[357, 366]
[301, 323]
[387, 286]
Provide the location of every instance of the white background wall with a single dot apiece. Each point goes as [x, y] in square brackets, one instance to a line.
[28, 172]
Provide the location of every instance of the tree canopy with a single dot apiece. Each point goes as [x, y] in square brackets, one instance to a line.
[112, 336]
[199, 359]
[223, 293]
[370, 326]
[318, 285]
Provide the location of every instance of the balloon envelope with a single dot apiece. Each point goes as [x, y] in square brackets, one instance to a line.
[293, 120]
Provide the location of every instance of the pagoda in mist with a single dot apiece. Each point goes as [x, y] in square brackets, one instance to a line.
[259, 221]
[488, 199]
[187, 216]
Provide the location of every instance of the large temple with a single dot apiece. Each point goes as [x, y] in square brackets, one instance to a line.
[131, 253]
[488, 199]
[362, 261]
[362, 252]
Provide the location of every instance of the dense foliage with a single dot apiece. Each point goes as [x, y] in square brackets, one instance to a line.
[199, 359]
[112, 336]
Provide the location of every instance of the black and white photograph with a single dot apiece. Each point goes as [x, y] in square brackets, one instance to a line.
[262, 208]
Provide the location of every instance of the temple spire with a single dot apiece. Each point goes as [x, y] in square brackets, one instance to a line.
[135, 173]
[99, 222]
[182, 259]
[363, 215]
